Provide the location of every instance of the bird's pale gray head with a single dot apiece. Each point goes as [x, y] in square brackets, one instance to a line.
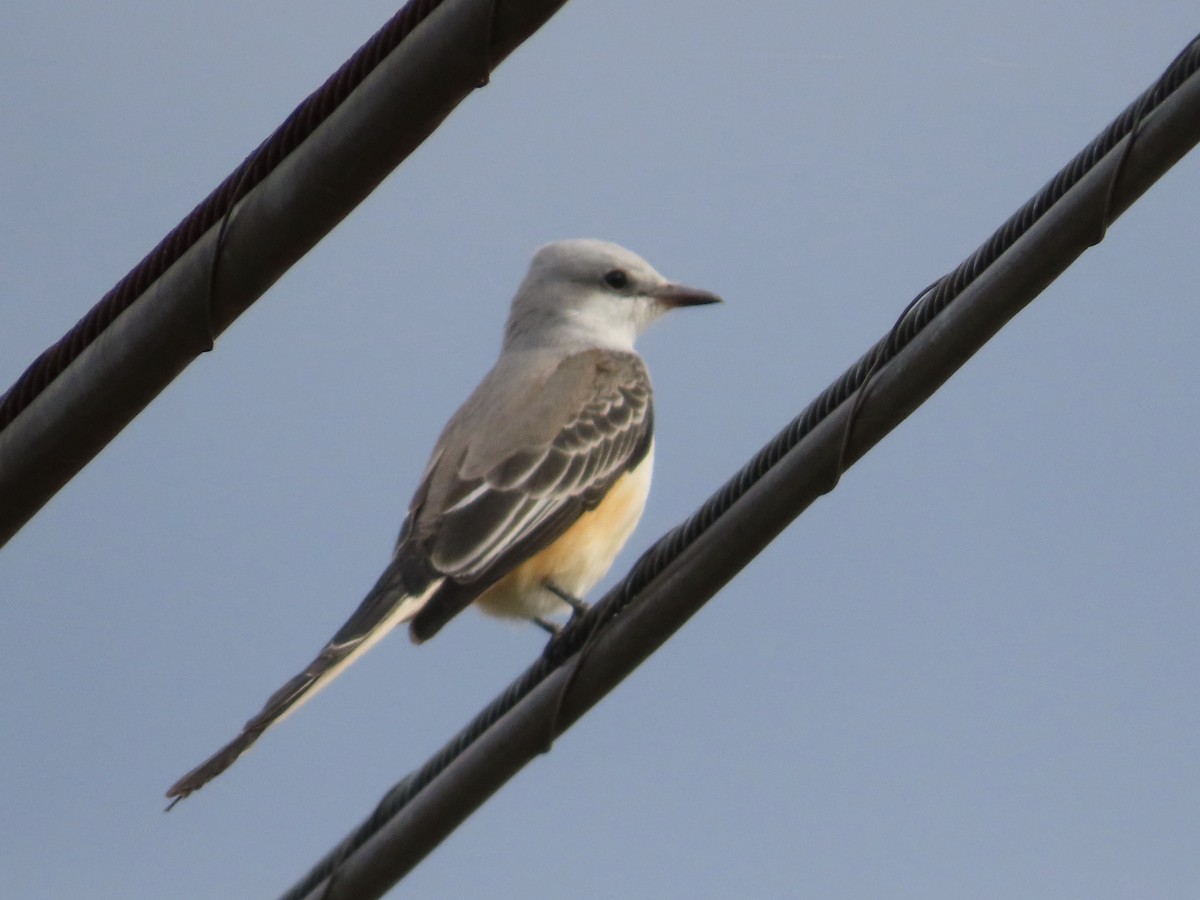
[591, 293]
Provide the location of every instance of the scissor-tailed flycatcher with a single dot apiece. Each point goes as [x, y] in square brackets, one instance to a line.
[535, 483]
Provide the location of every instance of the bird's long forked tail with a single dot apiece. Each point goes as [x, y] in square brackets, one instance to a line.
[387, 605]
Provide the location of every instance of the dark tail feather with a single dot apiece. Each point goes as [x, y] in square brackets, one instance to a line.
[211, 767]
[388, 604]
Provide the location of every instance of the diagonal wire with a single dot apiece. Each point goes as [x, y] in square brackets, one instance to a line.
[214, 208]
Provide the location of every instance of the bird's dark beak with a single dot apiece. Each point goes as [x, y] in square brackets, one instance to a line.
[673, 295]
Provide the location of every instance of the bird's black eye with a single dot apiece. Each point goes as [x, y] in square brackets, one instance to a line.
[616, 278]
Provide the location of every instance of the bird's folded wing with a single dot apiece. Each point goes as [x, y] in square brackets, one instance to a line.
[504, 491]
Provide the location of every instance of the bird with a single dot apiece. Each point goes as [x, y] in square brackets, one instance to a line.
[536, 481]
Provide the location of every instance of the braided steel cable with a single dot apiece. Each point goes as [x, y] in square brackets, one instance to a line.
[920, 312]
[297, 127]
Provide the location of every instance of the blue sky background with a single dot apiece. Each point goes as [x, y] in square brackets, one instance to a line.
[971, 671]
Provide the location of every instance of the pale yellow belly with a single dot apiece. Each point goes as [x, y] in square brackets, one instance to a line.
[579, 558]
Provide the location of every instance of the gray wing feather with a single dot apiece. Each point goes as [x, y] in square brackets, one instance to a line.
[526, 484]
[592, 421]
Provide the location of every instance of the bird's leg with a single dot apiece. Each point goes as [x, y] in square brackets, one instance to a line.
[578, 607]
